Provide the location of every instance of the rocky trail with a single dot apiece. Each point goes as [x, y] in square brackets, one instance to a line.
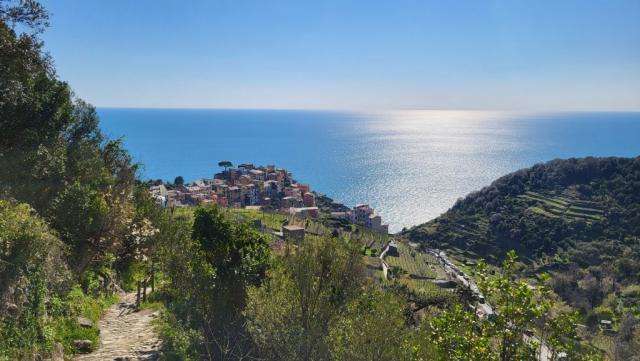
[126, 335]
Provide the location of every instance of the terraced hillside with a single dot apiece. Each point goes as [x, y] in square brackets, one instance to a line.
[577, 219]
[414, 263]
[417, 270]
[550, 208]
[372, 242]
[559, 206]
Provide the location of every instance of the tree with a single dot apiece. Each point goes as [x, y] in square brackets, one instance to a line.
[178, 181]
[627, 343]
[29, 13]
[290, 314]
[517, 308]
[372, 327]
[52, 152]
[77, 183]
[226, 164]
[455, 335]
[239, 255]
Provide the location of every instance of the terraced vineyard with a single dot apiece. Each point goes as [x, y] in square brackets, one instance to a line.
[270, 220]
[374, 242]
[415, 263]
[556, 206]
[425, 288]
[421, 284]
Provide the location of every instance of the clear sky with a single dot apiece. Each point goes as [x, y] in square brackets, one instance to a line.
[346, 54]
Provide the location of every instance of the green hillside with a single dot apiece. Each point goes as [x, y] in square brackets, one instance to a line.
[577, 218]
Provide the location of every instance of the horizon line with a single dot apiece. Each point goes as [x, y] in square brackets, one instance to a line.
[357, 110]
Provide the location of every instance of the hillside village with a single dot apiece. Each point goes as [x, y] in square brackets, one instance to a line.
[295, 211]
[262, 187]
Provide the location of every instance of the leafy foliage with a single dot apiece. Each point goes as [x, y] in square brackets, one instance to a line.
[52, 152]
[77, 184]
[289, 315]
[33, 276]
[208, 265]
[522, 327]
[372, 327]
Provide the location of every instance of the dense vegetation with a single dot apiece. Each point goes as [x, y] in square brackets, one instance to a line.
[228, 298]
[65, 198]
[578, 219]
[76, 226]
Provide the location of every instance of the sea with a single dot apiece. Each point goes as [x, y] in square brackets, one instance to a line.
[411, 166]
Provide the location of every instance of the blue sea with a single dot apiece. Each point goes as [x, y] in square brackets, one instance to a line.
[411, 166]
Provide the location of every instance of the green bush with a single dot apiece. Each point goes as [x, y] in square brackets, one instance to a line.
[181, 343]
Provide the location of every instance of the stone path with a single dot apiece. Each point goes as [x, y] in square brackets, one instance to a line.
[126, 335]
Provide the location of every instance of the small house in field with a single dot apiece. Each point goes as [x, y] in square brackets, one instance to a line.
[292, 233]
[393, 249]
[606, 325]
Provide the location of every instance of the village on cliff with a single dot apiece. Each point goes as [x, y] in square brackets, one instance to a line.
[266, 187]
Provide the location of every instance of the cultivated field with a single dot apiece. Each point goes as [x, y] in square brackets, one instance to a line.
[416, 264]
[556, 206]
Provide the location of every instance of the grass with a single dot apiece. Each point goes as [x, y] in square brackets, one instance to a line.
[63, 324]
[603, 342]
[180, 342]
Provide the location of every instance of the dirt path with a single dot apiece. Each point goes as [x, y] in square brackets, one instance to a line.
[126, 335]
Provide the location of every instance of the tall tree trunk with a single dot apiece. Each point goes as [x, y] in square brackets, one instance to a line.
[153, 277]
[144, 290]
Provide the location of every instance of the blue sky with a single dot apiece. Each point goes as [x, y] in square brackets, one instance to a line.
[344, 54]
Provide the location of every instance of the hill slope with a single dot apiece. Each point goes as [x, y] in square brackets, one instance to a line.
[561, 215]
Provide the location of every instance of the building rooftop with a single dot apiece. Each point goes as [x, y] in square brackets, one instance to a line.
[304, 208]
[291, 227]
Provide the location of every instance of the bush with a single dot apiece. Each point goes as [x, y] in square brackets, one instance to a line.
[181, 342]
[31, 267]
[64, 323]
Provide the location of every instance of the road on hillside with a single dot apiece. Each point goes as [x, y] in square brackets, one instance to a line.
[454, 271]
